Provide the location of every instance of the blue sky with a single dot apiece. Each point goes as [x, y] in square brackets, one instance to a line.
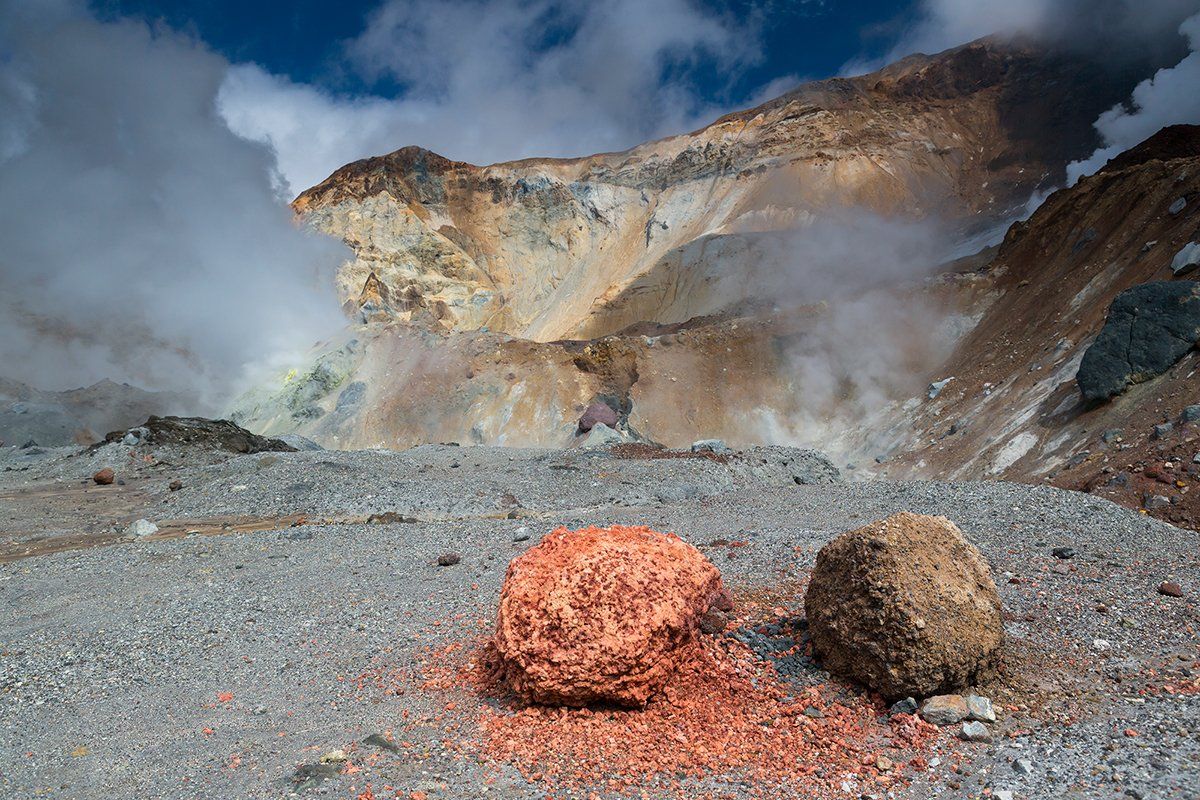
[303, 39]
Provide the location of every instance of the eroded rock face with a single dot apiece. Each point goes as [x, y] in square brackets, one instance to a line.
[1148, 329]
[602, 614]
[905, 606]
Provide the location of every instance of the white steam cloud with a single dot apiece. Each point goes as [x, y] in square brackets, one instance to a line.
[140, 239]
[479, 83]
[1170, 97]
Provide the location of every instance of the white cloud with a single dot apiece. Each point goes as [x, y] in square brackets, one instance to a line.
[1170, 97]
[142, 240]
[479, 82]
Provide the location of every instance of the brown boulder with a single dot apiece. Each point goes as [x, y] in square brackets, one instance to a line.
[104, 477]
[906, 606]
[602, 614]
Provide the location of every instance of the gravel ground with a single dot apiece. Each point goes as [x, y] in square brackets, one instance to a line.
[210, 666]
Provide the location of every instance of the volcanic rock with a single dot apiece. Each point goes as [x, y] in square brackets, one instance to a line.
[1149, 328]
[104, 477]
[1170, 589]
[1187, 259]
[597, 413]
[945, 709]
[602, 436]
[906, 606]
[217, 434]
[602, 614]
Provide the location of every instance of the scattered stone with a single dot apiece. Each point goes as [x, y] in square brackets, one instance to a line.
[140, 528]
[382, 742]
[1186, 259]
[906, 706]
[602, 436]
[597, 413]
[814, 713]
[448, 559]
[307, 776]
[334, 757]
[1002, 794]
[29, 444]
[1101, 645]
[175, 485]
[1023, 766]
[713, 622]
[1163, 430]
[390, 518]
[945, 709]
[980, 708]
[1063, 552]
[1112, 436]
[1170, 589]
[1149, 327]
[711, 446]
[1179, 205]
[521, 534]
[906, 606]
[644, 593]
[1191, 414]
[104, 477]
[1156, 502]
[975, 732]
[884, 764]
[936, 387]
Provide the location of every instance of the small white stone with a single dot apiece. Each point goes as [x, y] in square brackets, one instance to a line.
[140, 528]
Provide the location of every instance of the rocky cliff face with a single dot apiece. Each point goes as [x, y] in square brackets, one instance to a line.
[548, 249]
[495, 304]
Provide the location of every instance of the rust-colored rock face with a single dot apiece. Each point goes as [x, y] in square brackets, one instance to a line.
[602, 614]
[906, 606]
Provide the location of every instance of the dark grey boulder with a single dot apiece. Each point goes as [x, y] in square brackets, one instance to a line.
[1149, 328]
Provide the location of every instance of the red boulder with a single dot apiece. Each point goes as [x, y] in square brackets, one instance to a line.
[602, 614]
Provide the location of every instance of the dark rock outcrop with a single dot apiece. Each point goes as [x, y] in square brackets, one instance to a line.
[905, 606]
[216, 434]
[1149, 328]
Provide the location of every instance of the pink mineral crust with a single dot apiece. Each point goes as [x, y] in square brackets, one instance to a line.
[602, 614]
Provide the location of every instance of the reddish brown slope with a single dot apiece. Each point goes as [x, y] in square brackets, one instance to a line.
[1014, 408]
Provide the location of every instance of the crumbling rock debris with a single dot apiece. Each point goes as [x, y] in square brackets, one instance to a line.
[602, 615]
[104, 477]
[1149, 328]
[217, 434]
[711, 446]
[906, 606]
[448, 559]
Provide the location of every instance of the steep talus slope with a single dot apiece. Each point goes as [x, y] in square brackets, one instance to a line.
[577, 248]
[1014, 407]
